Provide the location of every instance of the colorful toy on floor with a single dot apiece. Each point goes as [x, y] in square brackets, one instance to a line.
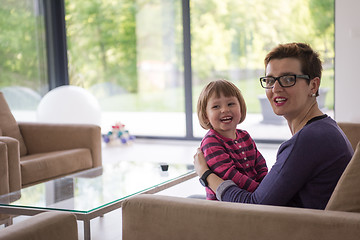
[118, 133]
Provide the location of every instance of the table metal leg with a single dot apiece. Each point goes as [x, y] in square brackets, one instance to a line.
[87, 232]
[9, 221]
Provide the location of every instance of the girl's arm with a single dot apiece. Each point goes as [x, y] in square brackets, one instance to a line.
[201, 167]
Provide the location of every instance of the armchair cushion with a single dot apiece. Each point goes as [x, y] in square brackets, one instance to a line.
[9, 126]
[43, 166]
[43, 226]
[48, 137]
[346, 196]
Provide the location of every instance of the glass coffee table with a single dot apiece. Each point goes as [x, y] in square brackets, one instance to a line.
[92, 193]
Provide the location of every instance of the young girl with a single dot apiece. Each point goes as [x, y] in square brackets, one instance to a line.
[229, 152]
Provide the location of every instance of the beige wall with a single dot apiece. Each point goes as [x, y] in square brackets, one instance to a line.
[347, 60]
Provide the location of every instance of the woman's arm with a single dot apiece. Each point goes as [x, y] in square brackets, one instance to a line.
[228, 167]
[277, 188]
[218, 185]
[229, 191]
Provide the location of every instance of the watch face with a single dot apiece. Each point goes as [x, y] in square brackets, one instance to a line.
[203, 182]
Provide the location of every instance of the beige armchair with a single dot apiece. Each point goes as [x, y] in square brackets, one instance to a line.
[44, 226]
[155, 217]
[352, 131]
[36, 152]
[163, 217]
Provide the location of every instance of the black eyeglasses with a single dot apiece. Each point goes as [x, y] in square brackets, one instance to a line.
[284, 81]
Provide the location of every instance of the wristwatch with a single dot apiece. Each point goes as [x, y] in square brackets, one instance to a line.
[203, 178]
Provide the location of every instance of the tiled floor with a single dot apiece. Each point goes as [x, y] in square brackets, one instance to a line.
[108, 227]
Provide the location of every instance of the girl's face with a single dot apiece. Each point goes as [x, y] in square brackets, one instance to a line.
[290, 102]
[224, 114]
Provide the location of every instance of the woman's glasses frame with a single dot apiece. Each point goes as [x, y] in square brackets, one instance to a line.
[284, 81]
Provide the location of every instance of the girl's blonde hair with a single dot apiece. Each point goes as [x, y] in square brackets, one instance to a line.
[218, 87]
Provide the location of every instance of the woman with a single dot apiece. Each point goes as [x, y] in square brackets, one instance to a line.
[309, 165]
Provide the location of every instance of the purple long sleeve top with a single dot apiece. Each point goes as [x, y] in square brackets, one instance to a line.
[306, 171]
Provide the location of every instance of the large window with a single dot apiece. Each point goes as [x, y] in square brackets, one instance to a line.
[134, 56]
[129, 55]
[231, 38]
[23, 68]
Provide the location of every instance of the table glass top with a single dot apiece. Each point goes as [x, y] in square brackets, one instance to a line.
[95, 188]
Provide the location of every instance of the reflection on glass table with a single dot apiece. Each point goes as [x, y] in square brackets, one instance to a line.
[94, 192]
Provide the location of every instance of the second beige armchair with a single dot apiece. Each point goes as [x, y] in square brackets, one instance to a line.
[36, 152]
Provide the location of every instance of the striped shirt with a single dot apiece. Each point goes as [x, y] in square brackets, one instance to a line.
[238, 160]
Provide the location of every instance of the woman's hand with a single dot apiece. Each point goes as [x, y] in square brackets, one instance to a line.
[200, 163]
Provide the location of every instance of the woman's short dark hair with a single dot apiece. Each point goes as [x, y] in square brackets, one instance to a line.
[310, 61]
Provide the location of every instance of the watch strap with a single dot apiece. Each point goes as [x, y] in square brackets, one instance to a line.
[203, 178]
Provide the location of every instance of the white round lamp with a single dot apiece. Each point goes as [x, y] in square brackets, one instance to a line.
[69, 104]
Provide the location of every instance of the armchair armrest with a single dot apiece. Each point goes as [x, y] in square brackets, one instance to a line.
[46, 137]
[43, 226]
[163, 217]
[4, 169]
[10, 162]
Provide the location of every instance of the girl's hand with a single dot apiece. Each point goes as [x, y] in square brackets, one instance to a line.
[200, 163]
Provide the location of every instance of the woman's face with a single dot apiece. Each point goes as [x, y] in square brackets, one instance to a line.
[290, 102]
